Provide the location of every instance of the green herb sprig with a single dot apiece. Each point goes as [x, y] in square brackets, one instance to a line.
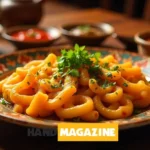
[72, 60]
[3, 101]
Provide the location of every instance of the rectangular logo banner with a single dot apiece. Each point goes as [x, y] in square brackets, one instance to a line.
[87, 132]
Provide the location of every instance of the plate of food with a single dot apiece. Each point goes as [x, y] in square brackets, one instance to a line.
[42, 87]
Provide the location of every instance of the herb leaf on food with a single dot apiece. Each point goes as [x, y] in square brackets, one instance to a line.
[70, 61]
[3, 101]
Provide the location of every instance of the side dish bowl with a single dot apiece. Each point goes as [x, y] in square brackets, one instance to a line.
[143, 42]
[87, 34]
[52, 32]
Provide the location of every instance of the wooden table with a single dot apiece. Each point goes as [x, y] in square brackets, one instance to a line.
[125, 27]
[15, 137]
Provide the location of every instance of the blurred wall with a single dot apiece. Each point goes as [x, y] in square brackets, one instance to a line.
[136, 10]
[84, 3]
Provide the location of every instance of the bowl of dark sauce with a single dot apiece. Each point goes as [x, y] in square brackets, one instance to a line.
[87, 34]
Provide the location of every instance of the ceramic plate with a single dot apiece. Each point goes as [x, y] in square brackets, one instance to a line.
[9, 62]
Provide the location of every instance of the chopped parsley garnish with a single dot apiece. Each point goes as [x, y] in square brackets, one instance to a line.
[115, 68]
[70, 61]
[55, 76]
[96, 55]
[125, 84]
[106, 65]
[49, 64]
[49, 81]
[92, 81]
[112, 83]
[107, 84]
[55, 86]
[37, 73]
[95, 71]
[3, 101]
[109, 74]
[74, 73]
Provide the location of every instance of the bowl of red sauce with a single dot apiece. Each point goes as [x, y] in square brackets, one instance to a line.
[31, 37]
[143, 42]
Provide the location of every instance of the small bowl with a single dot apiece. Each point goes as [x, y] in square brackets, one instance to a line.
[142, 43]
[128, 42]
[54, 32]
[90, 40]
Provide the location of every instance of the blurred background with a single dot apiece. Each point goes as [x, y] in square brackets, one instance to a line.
[8, 8]
[132, 8]
[40, 12]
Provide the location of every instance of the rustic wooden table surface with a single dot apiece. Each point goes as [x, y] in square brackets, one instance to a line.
[16, 137]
